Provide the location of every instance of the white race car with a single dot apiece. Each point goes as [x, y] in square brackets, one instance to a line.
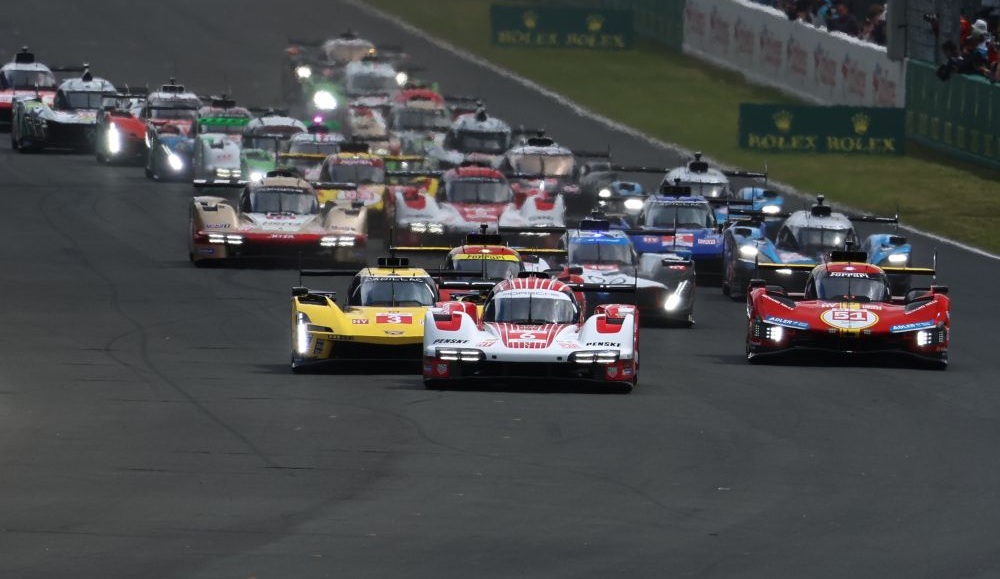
[532, 327]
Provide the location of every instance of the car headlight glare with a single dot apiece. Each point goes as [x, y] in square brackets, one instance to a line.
[633, 204]
[301, 333]
[401, 78]
[897, 258]
[459, 354]
[257, 175]
[604, 193]
[748, 251]
[673, 301]
[114, 140]
[324, 100]
[175, 162]
[770, 209]
[595, 357]
[303, 72]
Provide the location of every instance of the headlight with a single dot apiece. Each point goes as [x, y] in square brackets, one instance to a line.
[337, 241]
[257, 175]
[418, 227]
[114, 140]
[175, 162]
[633, 204]
[897, 258]
[604, 193]
[775, 333]
[303, 72]
[770, 209]
[435, 228]
[594, 357]
[301, 333]
[149, 142]
[673, 301]
[459, 354]
[324, 100]
[748, 251]
[401, 78]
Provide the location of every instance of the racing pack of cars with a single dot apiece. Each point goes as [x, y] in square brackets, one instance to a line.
[552, 257]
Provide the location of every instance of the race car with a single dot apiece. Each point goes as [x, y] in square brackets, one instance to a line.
[419, 118]
[372, 83]
[174, 143]
[532, 327]
[70, 122]
[767, 203]
[354, 163]
[307, 151]
[674, 220]
[264, 137]
[23, 76]
[382, 319]
[368, 125]
[621, 202]
[125, 133]
[665, 282]
[472, 137]
[540, 163]
[467, 197]
[847, 307]
[277, 217]
[805, 237]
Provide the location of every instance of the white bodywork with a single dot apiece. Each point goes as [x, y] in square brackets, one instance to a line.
[217, 155]
[447, 216]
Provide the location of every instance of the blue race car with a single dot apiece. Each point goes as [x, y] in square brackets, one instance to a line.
[766, 203]
[620, 203]
[665, 281]
[806, 237]
[680, 223]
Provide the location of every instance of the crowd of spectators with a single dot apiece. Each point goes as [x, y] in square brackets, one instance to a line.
[853, 18]
[975, 53]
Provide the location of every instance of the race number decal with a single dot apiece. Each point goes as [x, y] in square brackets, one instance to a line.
[393, 318]
[849, 319]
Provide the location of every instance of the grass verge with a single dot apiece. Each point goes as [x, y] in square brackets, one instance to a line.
[683, 100]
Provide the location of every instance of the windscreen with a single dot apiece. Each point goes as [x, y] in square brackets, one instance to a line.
[27, 79]
[849, 286]
[708, 190]
[486, 268]
[815, 240]
[83, 100]
[478, 191]
[600, 253]
[492, 143]
[371, 83]
[174, 110]
[549, 165]
[529, 308]
[680, 216]
[355, 173]
[421, 120]
[284, 200]
[394, 292]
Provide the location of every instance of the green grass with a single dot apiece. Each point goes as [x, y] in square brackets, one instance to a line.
[685, 101]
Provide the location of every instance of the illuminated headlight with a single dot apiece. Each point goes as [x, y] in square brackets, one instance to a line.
[301, 333]
[257, 175]
[770, 209]
[175, 162]
[418, 227]
[114, 140]
[748, 251]
[897, 258]
[303, 72]
[783, 271]
[337, 241]
[435, 228]
[775, 333]
[227, 173]
[401, 78]
[594, 357]
[673, 302]
[219, 238]
[633, 204]
[604, 193]
[924, 337]
[459, 355]
[324, 100]
[149, 142]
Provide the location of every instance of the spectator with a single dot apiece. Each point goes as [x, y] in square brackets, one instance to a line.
[843, 20]
[823, 13]
[874, 28]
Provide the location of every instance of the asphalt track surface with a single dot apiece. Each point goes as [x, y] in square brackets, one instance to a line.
[149, 425]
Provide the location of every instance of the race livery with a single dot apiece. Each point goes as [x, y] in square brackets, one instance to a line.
[621, 202]
[805, 237]
[70, 122]
[532, 327]
[25, 77]
[307, 151]
[277, 217]
[472, 137]
[264, 137]
[382, 319]
[680, 223]
[847, 307]
[127, 132]
[538, 163]
[420, 117]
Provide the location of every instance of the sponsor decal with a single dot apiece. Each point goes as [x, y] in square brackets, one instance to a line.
[612, 371]
[450, 341]
[798, 325]
[898, 328]
[340, 338]
[206, 250]
[393, 318]
[442, 369]
[627, 371]
[281, 236]
[487, 256]
[359, 321]
[610, 344]
[217, 226]
[707, 241]
[847, 274]
[849, 318]
[486, 343]
[568, 345]
[394, 332]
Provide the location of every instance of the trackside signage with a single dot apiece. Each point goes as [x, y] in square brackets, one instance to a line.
[561, 27]
[817, 129]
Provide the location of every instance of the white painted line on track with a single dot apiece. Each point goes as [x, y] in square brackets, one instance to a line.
[607, 122]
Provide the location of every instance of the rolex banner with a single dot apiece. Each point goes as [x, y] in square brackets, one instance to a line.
[561, 27]
[818, 129]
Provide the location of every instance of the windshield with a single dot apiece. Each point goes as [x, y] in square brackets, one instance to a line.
[492, 143]
[284, 200]
[812, 239]
[82, 100]
[371, 83]
[850, 286]
[420, 120]
[355, 173]
[181, 111]
[600, 253]
[478, 191]
[549, 165]
[680, 216]
[348, 50]
[265, 143]
[394, 292]
[530, 308]
[709, 190]
[486, 268]
[27, 79]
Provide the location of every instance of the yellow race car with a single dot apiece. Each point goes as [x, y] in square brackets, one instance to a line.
[382, 318]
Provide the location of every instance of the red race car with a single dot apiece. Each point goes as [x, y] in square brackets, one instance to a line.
[847, 308]
[25, 77]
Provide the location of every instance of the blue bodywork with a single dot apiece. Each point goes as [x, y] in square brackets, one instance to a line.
[670, 231]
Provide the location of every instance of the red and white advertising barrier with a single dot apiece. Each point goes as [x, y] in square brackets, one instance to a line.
[795, 57]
